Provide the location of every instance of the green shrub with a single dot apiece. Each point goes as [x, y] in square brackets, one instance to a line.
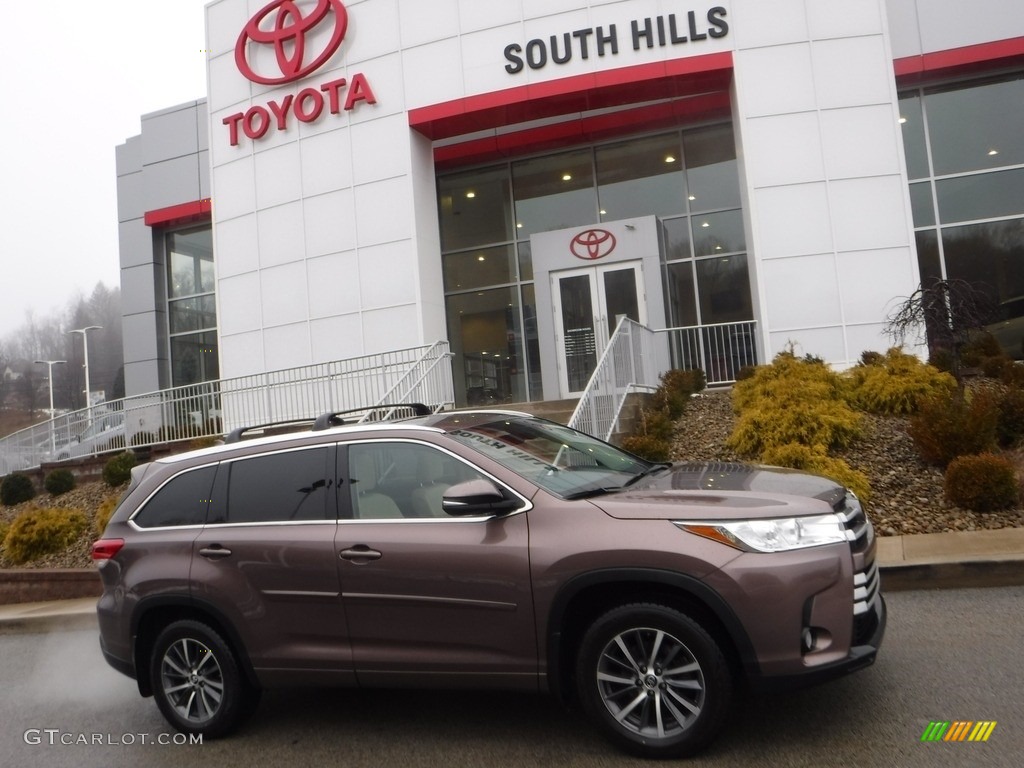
[896, 384]
[786, 380]
[16, 488]
[104, 513]
[1013, 374]
[40, 531]
[746, 372]
[655, 422]
[202, 442]
[817, 461]
[981, 483]
[118, 470]
[978, 349]
[1010, 426]
[951, 425]
[648, 447]
[59, 481]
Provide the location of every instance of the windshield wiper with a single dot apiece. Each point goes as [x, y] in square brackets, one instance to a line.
[589, 492]
[646, 473]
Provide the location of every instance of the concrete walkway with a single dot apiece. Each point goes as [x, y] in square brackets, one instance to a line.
[928, 561]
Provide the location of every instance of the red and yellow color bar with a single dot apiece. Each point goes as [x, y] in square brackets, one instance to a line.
[958, 730]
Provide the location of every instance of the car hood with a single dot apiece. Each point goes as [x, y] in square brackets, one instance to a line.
[723, 491]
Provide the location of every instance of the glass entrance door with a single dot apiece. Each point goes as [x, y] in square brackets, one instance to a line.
[587, 305]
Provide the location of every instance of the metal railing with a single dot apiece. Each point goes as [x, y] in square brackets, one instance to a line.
[213, 408]
[630, 363]
[719, 350]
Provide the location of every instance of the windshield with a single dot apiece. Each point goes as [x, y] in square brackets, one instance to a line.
[559, 459]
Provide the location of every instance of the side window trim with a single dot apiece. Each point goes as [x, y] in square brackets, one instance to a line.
[132, 521]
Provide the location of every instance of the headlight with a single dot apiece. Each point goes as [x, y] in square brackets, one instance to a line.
[778, 535]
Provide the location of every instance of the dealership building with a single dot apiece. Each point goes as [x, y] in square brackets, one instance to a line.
[512, 176]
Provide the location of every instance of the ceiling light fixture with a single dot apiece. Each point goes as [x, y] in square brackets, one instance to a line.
[481, 257]
[566, 177]
[669, 159]
[471, 194]
[993, 152]
[705, 225]
[903, 120]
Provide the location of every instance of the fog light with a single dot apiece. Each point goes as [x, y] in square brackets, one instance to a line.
[814, 639]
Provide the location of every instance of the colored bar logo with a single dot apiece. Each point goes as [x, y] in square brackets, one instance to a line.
[958, 730]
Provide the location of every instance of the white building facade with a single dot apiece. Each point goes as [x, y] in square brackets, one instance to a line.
[373, 175]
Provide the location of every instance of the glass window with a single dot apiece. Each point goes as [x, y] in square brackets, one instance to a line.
[554, 192]
[525, 260]
[280, 487]
[475, 208]
[479, 267]
[682, 303]
[640, 178]
[712, 177]
[1000, 271]
[921, 204]
[981, 196]
[928, 256]
[976, 126]
[676, 233]
[912, 122]
[535, 387]
[190, 262]
[402, 480]
[181, 501]
[724, 290]
[193, 314]
[486, 340]
[715, 233]
[194, 358]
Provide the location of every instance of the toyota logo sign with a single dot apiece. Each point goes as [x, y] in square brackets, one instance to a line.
[286, 33]
[593, 244]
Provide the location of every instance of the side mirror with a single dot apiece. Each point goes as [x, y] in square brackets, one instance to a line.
[476, 497]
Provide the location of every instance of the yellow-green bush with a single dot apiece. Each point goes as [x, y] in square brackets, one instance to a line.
[104, 513]
[787, 380]
[39, 531]
[895, 383]
[817, 461]
[982, 483]
[830, 424]
[951, 425]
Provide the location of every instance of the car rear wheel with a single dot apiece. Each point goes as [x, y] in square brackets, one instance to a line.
[654, 681]
[197, 682]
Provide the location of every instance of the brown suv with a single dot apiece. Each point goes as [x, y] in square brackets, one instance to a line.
[483, 549]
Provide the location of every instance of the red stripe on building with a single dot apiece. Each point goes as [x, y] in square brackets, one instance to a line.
[184, 213]
[705, 78]
[959, 61]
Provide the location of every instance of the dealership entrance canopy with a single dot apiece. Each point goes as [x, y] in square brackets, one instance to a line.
[514, 176]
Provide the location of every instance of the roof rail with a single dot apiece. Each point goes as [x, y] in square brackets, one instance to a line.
[328, 420]
[373, 413]
[235, 435]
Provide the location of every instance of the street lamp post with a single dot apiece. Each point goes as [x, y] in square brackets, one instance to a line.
[85, 350]
[49, 378]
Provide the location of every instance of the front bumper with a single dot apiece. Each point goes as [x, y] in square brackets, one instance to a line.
[859, 657]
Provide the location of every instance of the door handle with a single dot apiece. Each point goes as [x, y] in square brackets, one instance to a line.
[360, 555]
[216, 552]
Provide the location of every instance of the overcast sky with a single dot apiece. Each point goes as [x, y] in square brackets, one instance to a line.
[76, 78]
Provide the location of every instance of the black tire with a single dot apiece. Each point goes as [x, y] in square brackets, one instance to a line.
[672, 709]
[197, 682]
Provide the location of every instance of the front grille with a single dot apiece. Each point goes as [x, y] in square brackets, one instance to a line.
[866, 582]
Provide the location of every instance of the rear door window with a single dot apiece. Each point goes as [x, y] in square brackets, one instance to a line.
[288, 486]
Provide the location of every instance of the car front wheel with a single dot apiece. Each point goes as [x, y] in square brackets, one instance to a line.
[653, 680]
[196, 680]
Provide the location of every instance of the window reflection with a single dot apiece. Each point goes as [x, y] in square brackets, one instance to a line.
[976, 126]
[479, 267]
[474, 208]
[724, 290]
[711, 174]
[640, 178]
[922, 205]
[191, 306]
[981, 196]
[554, 192]
[715, 233]
[912, 122]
